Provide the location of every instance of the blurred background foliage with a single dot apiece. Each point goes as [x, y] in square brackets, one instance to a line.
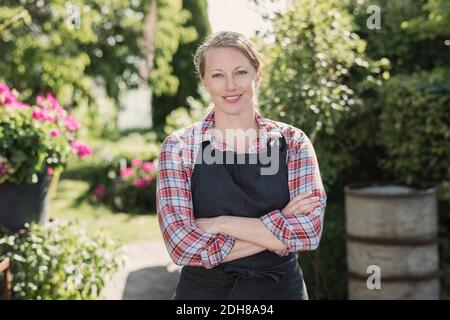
[183, 68]
[59, 261]
[375, 102]
[43, 49]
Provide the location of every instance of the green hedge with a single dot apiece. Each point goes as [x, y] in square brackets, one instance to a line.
[59, 261]
[401, 134]
[415, 128]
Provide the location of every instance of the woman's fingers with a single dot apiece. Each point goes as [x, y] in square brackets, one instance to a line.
[305, 207]
[299, 197]
[308, 208]
[303, 195]
[302, 206]
[301, 203]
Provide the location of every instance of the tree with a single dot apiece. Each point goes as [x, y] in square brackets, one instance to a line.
[314, 66]
[183, 67]
[50, 46]
[412, 36]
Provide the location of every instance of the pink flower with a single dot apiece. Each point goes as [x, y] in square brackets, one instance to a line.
[99, 191]
[40, 101]
[50, 171]
[139, 183]
[126, 172]
[20, 104]
[80, 149]
[148, 166]
[54, 133]
[136, 162]
[43, 115]
[9, 99]
[71, 123]
[53, 102]
[38, 114]
[3, 88]
[6, 95]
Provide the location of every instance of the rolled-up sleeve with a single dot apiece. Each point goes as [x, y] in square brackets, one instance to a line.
[302, 231]
[185, 242]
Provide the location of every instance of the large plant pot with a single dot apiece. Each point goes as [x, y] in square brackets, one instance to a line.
[24, 203]
[392, 234]
[54, 185]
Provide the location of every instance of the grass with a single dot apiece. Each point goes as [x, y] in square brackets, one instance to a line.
[122, 227]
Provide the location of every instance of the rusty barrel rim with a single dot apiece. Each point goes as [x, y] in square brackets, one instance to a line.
[430, 276]
[425, 240]
[361, 190]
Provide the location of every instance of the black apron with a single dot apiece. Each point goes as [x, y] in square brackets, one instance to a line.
[238, 189]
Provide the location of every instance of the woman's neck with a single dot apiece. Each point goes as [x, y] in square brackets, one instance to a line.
[238, 131]
[243, 121]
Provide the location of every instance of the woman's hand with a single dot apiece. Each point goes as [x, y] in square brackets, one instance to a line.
[302, 203]
[211, 225]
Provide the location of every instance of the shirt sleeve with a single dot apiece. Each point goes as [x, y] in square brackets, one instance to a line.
[300, 232]
[185, 242]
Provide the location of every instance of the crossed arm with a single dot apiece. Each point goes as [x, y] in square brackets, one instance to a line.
[209, 242]
[252, 236]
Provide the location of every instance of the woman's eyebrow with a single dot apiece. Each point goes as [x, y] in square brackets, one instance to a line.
[222, 70]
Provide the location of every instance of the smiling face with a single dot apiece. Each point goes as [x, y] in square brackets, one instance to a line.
[231, 80]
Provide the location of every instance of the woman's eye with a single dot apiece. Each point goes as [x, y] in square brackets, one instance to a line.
[241, 72]
[217, 75]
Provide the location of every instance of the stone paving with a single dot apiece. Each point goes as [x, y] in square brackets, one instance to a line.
[148, 274]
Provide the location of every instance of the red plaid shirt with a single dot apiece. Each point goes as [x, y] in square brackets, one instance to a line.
[189, 245]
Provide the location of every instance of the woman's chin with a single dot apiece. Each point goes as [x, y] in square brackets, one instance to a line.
[229, 108]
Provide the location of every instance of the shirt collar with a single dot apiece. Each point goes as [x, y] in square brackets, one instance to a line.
[268, 130]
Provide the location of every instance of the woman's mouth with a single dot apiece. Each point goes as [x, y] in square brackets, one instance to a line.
[233, 99]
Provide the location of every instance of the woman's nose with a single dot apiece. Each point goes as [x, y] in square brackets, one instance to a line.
[230, 83]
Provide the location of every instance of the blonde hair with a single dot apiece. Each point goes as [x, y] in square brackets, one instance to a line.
[227, 39]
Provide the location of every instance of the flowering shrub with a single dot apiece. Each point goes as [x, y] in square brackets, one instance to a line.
[60, 261]
[126, 185]
[35, 139]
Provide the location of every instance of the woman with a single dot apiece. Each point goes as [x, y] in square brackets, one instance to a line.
[234, 227]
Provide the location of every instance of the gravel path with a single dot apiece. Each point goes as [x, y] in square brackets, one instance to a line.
[148, 274]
